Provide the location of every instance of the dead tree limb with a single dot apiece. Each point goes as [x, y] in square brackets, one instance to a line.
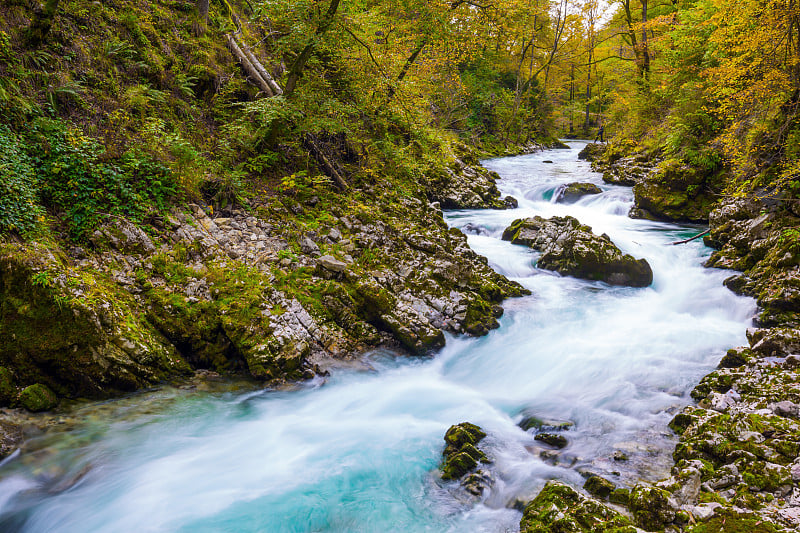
[693, 238]
[311, 143]
[248, 67]
[276, 89]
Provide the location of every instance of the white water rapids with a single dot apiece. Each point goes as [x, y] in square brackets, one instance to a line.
[359, 451]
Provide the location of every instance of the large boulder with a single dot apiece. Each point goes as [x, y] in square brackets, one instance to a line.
[676, 191]
[570, 248]
[592, 151]
[571, 193]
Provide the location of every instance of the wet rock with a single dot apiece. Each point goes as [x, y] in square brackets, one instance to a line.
[573, 192]
[552, 439]
[675, 191]
[559, 508]
[599, 487]
[545, 424]
[11, 438]
[37, 398]
[461, 455]
[572, 249]
[592, 152]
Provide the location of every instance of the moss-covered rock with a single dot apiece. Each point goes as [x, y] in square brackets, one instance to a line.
[571, 193]
[676, 191]
[650, 507]
[599, 486]
[560, 509]
[37, 398]
[572, 249]
[461, 454]
[592, 151]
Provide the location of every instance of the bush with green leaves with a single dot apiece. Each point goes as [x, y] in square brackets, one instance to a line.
[19, 210]
[84, 186]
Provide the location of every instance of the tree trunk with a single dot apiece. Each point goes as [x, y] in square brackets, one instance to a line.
[296, 70]
[248, 67]
[276, 89]
[42, 22]
[202, 8]
[645, 51]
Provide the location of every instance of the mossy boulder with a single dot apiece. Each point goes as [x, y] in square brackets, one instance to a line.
[571, 193]
[676, 191]
[553, 439]
[570, 248]
[560, 509]
[599, 486]
[650, 507]
[37, 398]
[592, 152]
[461, 454]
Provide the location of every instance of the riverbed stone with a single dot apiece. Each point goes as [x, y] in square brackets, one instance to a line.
[559, 508]
[461, 455]
[37, 398]
[570, 248]
[571, 193]
[599, 486]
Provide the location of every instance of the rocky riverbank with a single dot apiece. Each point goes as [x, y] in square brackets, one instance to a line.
[275, 290]
[737, 461]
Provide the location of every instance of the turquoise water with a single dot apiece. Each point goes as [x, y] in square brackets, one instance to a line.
[358, 452]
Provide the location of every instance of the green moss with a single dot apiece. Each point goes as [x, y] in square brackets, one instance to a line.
[732, 522]
[8, 392]
[38, 397]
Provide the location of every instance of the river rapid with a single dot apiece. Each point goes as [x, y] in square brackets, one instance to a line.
[358, 451]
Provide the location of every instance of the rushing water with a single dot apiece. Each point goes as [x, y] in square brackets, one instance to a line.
[358, 452]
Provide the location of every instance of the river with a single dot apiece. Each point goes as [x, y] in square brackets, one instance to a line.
[358, 451]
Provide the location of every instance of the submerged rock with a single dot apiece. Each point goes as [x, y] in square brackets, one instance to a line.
[559, 508]
[573, 192]
[572, 249]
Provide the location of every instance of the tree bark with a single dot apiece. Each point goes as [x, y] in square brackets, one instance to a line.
[296, 70]
[202, 8]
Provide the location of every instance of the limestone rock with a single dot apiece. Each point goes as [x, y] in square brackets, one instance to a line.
[559, 508]
[592, 151]
[331, 263]
[572, 249]
[571, 193]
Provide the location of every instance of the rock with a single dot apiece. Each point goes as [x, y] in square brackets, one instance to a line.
[572, 249]
[308, 246]
[8, 392]
[331, 263]
[620, 496]
[571, 193]
[704, 511]
[461, 455]
[559, 508]
[545, 424]
[599, 487]
[592, 152]
[650, 507]
[37, 398]
[11, 438]
[557, 441]
[675, 191]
